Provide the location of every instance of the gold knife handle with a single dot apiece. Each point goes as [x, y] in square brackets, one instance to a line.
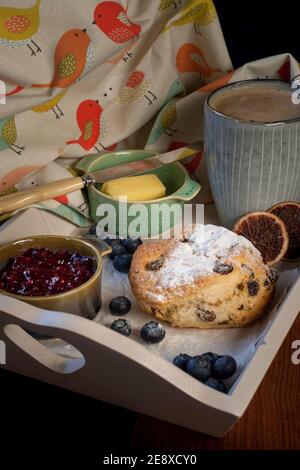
[21, 199]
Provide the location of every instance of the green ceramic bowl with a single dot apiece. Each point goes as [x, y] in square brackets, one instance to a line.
[180, 188]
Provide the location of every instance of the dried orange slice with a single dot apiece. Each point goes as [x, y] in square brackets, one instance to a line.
[268, 234]
[289, 213]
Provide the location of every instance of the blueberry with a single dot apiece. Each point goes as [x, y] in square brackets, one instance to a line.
[122, 262]
[210, 356]
[181, 361]
[119, 305]
[121, 326]
[199, 367]
[224, 367]
[152, 332]
[117, 249]
[215, 384]
[111, 241]
[131, 245]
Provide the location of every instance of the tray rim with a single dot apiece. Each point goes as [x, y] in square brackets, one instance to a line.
[71, 326]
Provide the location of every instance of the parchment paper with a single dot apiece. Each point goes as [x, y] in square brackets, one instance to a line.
[238, 342]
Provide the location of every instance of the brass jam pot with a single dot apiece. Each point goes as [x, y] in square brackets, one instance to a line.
[84, 300]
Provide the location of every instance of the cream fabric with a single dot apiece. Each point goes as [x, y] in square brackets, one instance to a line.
[137, 78]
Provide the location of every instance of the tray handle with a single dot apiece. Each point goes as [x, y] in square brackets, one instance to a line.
[17, 318]
[40, 353]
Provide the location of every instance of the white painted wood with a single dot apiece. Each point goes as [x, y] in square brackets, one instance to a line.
[116, 370]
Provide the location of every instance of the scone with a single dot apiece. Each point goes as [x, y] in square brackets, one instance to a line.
[212, 278]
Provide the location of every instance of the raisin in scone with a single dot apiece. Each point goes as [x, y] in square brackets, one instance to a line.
[212, 278]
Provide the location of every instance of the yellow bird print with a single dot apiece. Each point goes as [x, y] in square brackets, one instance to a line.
[164, 4]
[51, 105]
[164, 123]
[8, 135]
[198, 12]
[18, 25]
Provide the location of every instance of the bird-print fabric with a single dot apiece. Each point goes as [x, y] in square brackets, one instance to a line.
[91, 123]
[72, 58]
[112, 19]
[196, 13]
[91, 76]
[136, 87]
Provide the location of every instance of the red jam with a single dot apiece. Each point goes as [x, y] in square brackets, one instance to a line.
[43, 272]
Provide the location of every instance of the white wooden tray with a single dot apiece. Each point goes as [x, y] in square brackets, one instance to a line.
[124, 372]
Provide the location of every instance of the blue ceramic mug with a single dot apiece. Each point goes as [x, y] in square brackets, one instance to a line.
[252, 165]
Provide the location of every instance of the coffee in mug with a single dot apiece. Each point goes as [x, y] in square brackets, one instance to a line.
[257, 103]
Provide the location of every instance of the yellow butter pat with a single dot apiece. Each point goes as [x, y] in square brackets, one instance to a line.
[135, 188]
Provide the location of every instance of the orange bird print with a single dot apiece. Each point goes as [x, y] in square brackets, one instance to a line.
[91, 124]
[190, 58]
[111, 18]
[212, 86]
[73, 58]
[10, 179]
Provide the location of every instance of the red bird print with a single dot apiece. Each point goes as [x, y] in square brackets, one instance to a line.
[285, 71]
[92, 125]
[89, 114]
[3, 89]
[15, 91]
[111, 18]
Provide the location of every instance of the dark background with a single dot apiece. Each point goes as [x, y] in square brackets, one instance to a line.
[35, 417]
[256, 29]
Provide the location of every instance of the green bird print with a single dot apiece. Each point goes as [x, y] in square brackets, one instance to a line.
[175, 89]
[168, 114]
[198, 12]
[8, 135]
[164, 123]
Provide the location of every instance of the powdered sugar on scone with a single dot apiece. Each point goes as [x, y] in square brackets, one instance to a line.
[205, 248]
[209, 278]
